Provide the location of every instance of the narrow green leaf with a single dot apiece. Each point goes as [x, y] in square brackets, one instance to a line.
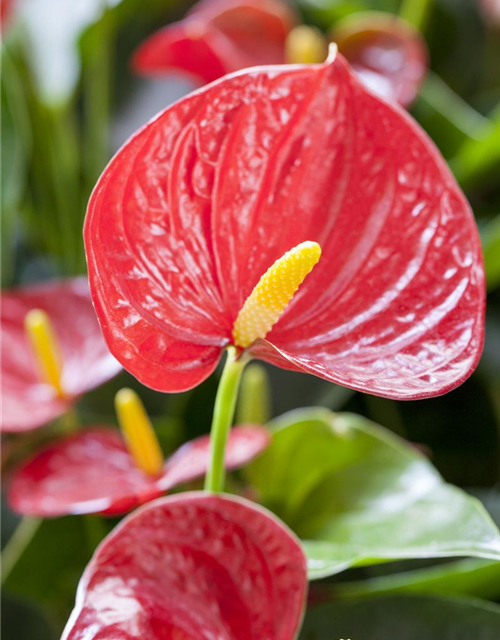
[478, 161]
[491, 247]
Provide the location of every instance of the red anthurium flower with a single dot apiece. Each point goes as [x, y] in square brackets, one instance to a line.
[93, 472]
[27, 400]
[193, 566]
[195, 208]
[221, 36]
[218, 37]
[387, 53]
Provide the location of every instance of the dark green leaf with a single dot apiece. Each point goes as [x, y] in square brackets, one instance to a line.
[404, 618]
[491, 248]
[21, 620]
[51, 566]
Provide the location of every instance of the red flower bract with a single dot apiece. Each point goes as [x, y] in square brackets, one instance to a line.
[92, 472]
[27, 402]
[194, 566]
[198, 204]
[218, 37]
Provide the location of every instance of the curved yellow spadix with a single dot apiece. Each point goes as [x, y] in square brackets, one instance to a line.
[45, 348]
[273, 292]
[138, 432]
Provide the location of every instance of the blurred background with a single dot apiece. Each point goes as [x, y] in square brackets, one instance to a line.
[69, 100]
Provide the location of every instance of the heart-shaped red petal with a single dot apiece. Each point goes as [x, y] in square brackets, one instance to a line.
[93, 472]
[201, 202]
[388, 54]
[193, 566]
[26, 401]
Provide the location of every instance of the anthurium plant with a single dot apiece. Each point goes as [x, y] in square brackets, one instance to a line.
[286, 234]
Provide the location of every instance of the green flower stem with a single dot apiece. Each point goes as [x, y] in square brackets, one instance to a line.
[225, 403]
[415, 12]
[254, 404]
[17, 544]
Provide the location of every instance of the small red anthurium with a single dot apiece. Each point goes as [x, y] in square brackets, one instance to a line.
[221, 36]
[388, 55]
[52, 352]
[193, 566]
[98, 471]
[204, 225]
[218, 37]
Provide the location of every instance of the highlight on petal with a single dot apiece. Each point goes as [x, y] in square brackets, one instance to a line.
[196, 207]
[27, 400]
[388, 54]
[93, 472]
[218, 37]
[194, 566]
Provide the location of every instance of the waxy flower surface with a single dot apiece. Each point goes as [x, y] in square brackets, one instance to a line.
[194, 566]
[222, 36]
[29, 401]
[199, 204]
[93, 472]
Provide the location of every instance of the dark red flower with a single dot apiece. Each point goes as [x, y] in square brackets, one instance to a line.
[27, 402]
[194, 566]
[93, 472]
[387, 53]
[221, 36]
[218, 37]
[199, 203]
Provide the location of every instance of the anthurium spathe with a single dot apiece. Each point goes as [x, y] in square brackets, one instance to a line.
[198, 205]
[93, 472]
[218, 37]
[34, 394]
[194, 566]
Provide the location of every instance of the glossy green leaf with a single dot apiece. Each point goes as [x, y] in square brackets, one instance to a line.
[404, 618]
[357, 495]
[469, 577]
